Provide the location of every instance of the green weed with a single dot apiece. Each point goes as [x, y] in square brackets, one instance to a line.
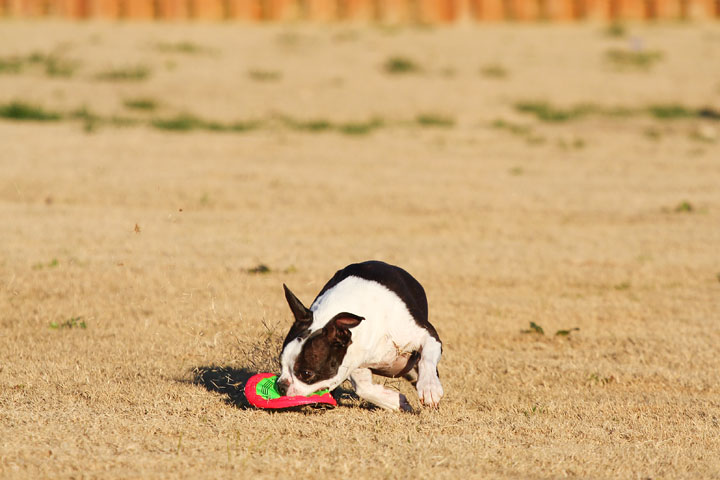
[684, 207]
[566, 332]
[118, 121]
[185, 122]
[16, 64]
[56, 66]
[632, 59]
[549, 113]
[11, 65]
[615, 112]
[90, 120]
[36, 57]
[315, 125]
[323, 125]
[360, 128]
[523, 131]
[241, 126]
[537, 329]
[535, 410]
[74, 322]
[143, 104]
[265, 75]
[183, 47]
[493, 71]
[622, 286]
[616, 30]
[18, 110]
[52, 264]
[127, 74]
[434, 120]
[182, 123]
[401, 65]
[534, 328]
[671, 111]
[514, 128]
[260, 268]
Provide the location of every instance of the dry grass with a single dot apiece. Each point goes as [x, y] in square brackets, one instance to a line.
[152, 239]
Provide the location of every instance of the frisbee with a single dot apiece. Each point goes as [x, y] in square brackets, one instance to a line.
[261, 392]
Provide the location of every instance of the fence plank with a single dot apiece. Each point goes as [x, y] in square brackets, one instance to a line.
[246, 10]
[355, 10]
[390, 11]
[171, 9]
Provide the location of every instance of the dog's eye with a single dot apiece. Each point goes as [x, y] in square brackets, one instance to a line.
[307, 374]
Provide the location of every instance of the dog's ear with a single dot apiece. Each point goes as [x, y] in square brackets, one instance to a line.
[338, 328]
[303, 316]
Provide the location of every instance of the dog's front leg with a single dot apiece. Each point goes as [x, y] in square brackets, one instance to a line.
[361, 380]
[428, 385]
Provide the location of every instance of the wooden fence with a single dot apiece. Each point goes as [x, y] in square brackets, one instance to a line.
[393, 11]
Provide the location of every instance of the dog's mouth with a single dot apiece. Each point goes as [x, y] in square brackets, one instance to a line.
[292, 391]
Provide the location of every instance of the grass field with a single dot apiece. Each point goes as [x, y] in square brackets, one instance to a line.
[159, 183]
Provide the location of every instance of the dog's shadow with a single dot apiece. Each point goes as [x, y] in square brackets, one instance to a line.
[225, 380]
[231, 382]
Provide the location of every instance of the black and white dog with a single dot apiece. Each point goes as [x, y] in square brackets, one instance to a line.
[370, 317]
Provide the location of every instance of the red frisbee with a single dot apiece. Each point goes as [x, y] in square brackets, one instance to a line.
[261, 392]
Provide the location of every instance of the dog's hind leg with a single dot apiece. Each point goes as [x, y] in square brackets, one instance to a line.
[428, 385]
[361, 380]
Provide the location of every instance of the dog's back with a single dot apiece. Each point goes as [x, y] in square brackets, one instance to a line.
[352, 289]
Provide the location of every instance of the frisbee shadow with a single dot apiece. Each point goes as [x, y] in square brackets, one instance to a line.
[231, 382]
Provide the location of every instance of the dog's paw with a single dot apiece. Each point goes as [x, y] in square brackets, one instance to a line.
[404, 404]
[430, 391]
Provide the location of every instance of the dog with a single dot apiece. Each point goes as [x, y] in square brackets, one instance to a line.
[371, 317]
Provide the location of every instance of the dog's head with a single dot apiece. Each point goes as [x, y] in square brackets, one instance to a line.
[312, 360]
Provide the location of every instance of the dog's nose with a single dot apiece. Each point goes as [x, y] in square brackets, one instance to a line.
[282, 386]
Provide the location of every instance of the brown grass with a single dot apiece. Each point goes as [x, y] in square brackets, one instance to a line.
[151, 239]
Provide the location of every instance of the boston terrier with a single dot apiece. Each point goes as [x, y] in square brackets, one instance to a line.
[370, 317]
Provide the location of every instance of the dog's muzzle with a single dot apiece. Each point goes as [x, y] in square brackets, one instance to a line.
[282, 386]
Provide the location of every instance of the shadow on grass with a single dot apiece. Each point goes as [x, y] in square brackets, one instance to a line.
[225, 380]
[231, 382]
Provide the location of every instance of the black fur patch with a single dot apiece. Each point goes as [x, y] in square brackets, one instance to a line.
[324, 351]
[303, 318]
[394, 279]
[295, 332]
